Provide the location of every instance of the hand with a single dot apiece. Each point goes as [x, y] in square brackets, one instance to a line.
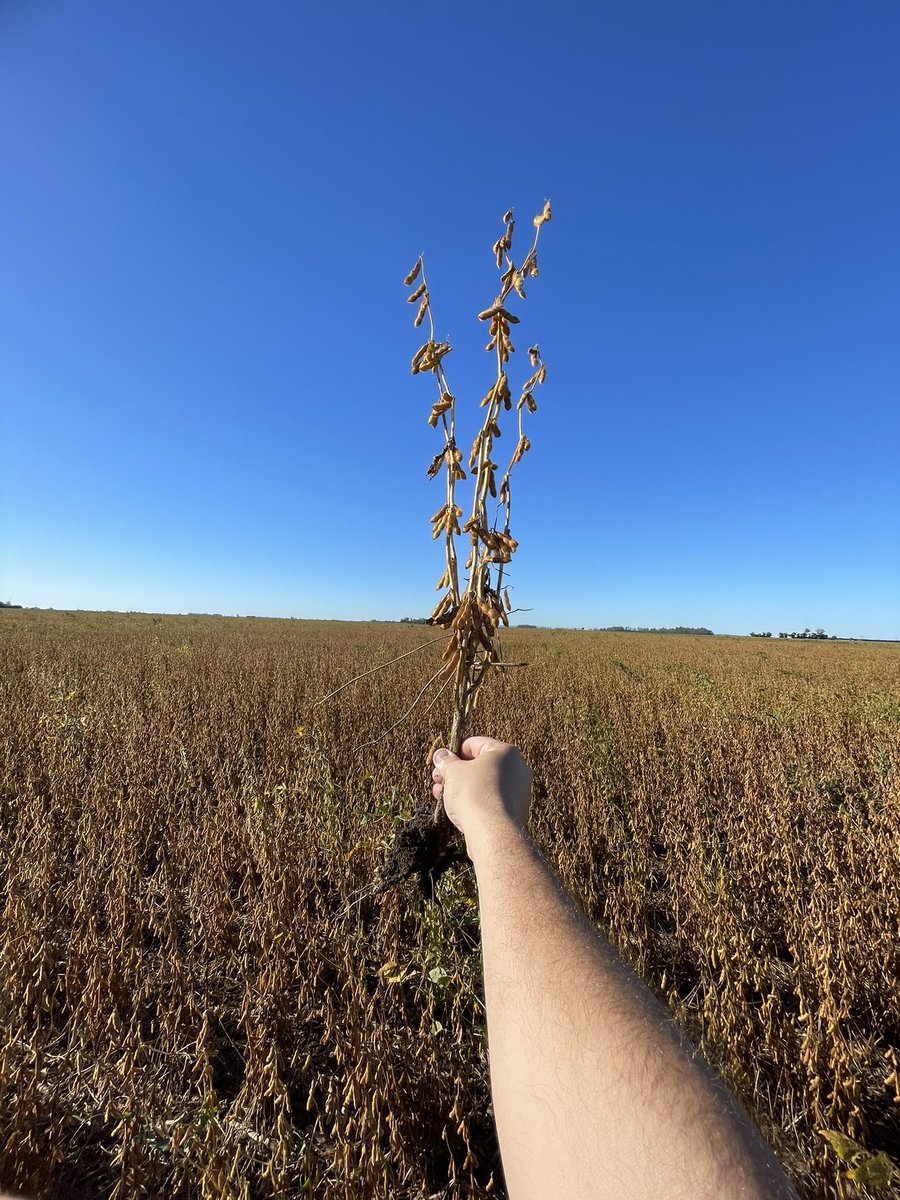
[489, 783]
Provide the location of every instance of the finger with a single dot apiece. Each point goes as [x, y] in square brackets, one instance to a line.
[437, 776]
[473, 746]
[437, 791]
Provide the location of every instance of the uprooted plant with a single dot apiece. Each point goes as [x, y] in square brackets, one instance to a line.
[469, 612]
[472, 612]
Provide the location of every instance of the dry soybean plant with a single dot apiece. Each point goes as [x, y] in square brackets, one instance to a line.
[191, 1008]
[471, 610]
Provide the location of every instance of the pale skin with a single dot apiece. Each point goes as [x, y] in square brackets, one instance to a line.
[596, 1092]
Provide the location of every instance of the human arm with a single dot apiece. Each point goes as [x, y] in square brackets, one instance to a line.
[596, 1092]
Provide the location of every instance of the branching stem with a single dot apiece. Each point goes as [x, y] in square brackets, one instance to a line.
[380, 667]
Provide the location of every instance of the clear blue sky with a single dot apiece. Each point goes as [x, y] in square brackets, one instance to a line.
[206, 213]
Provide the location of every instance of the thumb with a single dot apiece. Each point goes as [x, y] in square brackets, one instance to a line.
[442, 758]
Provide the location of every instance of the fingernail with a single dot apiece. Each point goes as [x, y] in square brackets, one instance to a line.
[439, 756]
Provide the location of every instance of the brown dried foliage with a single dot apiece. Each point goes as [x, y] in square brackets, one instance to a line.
[201, 998]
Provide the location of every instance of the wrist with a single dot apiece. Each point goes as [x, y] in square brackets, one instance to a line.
[490, 835]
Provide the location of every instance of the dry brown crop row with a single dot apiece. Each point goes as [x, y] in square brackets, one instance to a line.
[200, 998]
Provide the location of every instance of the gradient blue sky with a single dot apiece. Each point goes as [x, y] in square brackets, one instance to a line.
[206, 213]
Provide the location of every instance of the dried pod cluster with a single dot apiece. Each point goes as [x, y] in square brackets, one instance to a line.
[473, 612]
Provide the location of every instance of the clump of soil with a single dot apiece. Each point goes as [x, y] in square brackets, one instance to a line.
[421, 848]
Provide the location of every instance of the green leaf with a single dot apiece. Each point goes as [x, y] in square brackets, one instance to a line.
[874, 1171]
[844, 1147]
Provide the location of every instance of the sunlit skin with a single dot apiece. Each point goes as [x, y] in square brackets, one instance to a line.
[596, 1093]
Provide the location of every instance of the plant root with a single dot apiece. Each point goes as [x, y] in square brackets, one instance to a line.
[423, 848]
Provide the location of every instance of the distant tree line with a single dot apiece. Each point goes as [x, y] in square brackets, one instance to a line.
[9, 604]
[807, 633]
[606, 628]
[819, 633]
[663, 629]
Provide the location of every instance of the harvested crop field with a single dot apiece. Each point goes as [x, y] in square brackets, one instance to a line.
[202, 998]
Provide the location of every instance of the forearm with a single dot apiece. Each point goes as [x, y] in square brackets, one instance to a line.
[595, 1092]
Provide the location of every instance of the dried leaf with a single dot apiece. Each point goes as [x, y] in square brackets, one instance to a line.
[436, 461]
[392, 973]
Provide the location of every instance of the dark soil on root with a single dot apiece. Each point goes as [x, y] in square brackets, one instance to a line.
[423, 849]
